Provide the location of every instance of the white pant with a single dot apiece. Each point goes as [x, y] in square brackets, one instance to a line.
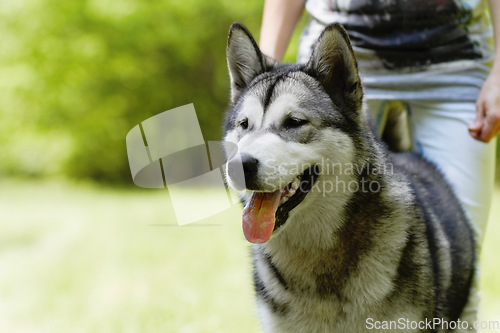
[438, 130]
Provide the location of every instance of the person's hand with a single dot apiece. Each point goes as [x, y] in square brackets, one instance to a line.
[487, 123]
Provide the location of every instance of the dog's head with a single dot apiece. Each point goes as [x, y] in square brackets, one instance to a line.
[286, 121]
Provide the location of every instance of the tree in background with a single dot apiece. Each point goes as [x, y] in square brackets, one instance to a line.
[76, 76]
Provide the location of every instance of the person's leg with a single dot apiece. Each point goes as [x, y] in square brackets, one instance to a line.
[439, 132]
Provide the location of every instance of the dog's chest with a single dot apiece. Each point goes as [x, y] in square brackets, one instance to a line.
[309, 314]
[305, 296]
[311, 294]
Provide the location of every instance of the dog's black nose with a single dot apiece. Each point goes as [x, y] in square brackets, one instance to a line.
[243, 172]
[250, 168]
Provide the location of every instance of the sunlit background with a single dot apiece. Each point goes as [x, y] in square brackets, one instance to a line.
[81, 248]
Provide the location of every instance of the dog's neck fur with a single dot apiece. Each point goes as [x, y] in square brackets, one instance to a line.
[340, 237]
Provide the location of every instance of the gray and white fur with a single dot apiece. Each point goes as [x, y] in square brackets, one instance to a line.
[341, 257]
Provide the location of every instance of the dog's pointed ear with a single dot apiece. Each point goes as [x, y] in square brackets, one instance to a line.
[333, 63]
[244, 59]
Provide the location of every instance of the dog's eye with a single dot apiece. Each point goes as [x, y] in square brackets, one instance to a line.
[244, 123]
[294, 122]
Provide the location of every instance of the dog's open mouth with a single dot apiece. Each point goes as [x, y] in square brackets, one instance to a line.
[267, 211]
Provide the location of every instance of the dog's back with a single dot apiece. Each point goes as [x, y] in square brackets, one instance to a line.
[449, 235]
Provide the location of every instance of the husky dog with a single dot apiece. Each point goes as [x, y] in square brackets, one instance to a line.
[348, 236]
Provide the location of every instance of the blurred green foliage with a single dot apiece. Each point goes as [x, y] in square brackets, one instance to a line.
[76, 76]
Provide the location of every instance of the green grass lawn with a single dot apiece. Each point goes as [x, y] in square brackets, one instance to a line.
[82, 258]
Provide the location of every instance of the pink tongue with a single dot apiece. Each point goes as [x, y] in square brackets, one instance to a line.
[259, 216]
